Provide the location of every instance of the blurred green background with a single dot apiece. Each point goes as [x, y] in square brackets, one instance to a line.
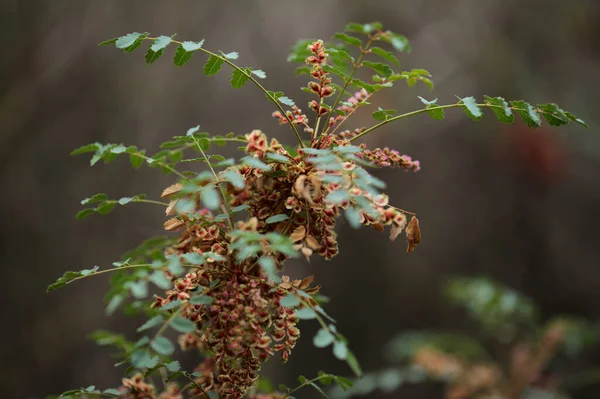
[494, 200]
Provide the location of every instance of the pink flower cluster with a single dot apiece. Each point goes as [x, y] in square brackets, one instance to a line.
[384, 157]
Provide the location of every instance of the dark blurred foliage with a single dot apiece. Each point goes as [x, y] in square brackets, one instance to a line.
[500, 201]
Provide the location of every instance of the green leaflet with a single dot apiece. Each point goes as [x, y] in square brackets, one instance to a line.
[380, 68]
[500, 108]
[471, 108]
[184, 52]
[527, 112]
[354, 41]
[383, 114]
[212, 65]
[129, 42]
[434, 110]
[239, 77]
[388, 56]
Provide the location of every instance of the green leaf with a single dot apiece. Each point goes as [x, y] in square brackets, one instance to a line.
[286, 101]
[340, 350]
[201, 300]
[379, 67]
[575, 119]
[162, 346]
[255, 163]
[352, 362]
[386, 55]
[273, 156]
[259, 73]
[136, 160]
[363, 28]
[62, 281]
[239, 208]
[353, 217]
[139, 289]
[105, 207]
[239, 77]
[235, 178]
[153, 322]
[130, 42]
[289, 301]
[354, 41]
[141, 359]
[94, 198]
[183, 325]
[383, 114]
[125, 200]
[172, 305]
[159, 279]
[277, 218]
[471, 108]
[114, 303]
[191, 131]
[267, 263]
[213, 65]
[160, 43]
[553, 114]
[527, 112]
[184, 52]
[323, 338]
[173, 367]
[306, 314]
[399, 42]
[152, 56]
[210, 197]
[157, 48]
[434, 110]
[500, 108]
[231, 56]
[192, 46]
[107, 42]
[87, 148]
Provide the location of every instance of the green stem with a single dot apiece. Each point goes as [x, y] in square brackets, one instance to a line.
[147, 201]
[216, 181]
[423, 110]
[196, 384]
[114, 269]
[108, 271]
[164, 165]
[307, 383]
[167, 323]
[251, 78]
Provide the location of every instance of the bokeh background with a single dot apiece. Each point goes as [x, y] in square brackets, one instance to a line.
[501, 201]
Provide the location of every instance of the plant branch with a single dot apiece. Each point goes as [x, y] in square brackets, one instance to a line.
[216, 182]
[251, 78]
[307, 383]
[423, 110]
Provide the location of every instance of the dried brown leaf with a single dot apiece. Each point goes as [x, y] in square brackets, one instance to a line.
[307, 252]
[173, 224]
[413, 234]
[377, 226]
[395, 232]
[173, 189]
[298, 234]
[306, 282]
[313, 290]
[312, 242]
[169, 210]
